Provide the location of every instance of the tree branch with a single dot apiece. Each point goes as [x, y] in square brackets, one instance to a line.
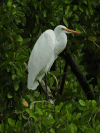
[78, 73]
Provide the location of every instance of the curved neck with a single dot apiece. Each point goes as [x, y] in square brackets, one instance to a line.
[56, 31]
[60, 43]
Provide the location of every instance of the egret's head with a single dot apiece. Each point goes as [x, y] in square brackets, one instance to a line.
[62, 29]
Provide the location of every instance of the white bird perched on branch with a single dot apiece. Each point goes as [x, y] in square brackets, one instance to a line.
[49, 45]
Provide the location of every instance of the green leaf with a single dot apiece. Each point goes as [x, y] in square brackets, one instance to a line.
[37, 128]
[29, 111]
[91, 38]
[35, 5]
[40, 126]
[51, 81]
[13, 76]
[35, 29]
[52, 23]
[20, 14]
[67, 10]
[69, 14]
[36, 116]
[52, 130]
[82, 107]
[2, 127]
[8, 68]
[65, 21]
[14, 12]
[18, 124]
[85, 1]
[83, 127]
[95, 3]
[37, 19]
[90, 130]
[81, 9]
[76, 18]
[88, 102]
[78, 116]
[57, 115]
[24, 2]
[16, 68]
[48, 121]
[13, 26]
[24, 51]
[86, 113]
[11, 122]
[23, 21]
[9, 3]
[90, 7]
[19, 30]
[18, 38]
[73, 128]
[25, 41]
[69, 107]
[24, 117]
[21, 58]
[58, 108]
[67, 1]
[39, 110]
[16, 85]
[69, 116]
[7, 32]
[82, 102]
[87, 11]
[32, 114]
[36, 93]
[94, 103]
[98, 129]
[75, 7]
[9, 95]
[44, 13]
[93, 106]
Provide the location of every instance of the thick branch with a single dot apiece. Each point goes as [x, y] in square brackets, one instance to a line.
[78, 73]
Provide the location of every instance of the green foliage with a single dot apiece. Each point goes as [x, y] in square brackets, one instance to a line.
[46, 118]
[21, 23]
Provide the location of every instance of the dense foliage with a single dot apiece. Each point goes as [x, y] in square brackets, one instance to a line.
[21, 23]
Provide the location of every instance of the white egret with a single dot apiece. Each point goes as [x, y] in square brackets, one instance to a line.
[49, 45]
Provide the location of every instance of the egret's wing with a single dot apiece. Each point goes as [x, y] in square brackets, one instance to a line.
[39, 58]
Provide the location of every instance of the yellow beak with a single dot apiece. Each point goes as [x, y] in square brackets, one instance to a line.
[72, 31]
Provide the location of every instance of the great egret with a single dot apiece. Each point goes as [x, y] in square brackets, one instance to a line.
[49, 45]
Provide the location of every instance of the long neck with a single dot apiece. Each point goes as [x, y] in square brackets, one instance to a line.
[61, 41]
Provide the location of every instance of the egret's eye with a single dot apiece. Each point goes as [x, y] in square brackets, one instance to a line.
[63, 28]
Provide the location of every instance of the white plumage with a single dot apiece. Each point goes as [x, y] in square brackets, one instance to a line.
[44, 53]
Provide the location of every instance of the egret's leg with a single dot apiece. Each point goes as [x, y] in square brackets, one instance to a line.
[46, 86]
[40, 86]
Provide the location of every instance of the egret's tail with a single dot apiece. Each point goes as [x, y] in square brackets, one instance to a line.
[33, 85]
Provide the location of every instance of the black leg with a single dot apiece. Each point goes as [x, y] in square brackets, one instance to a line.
[46, 87]
[41, 88]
